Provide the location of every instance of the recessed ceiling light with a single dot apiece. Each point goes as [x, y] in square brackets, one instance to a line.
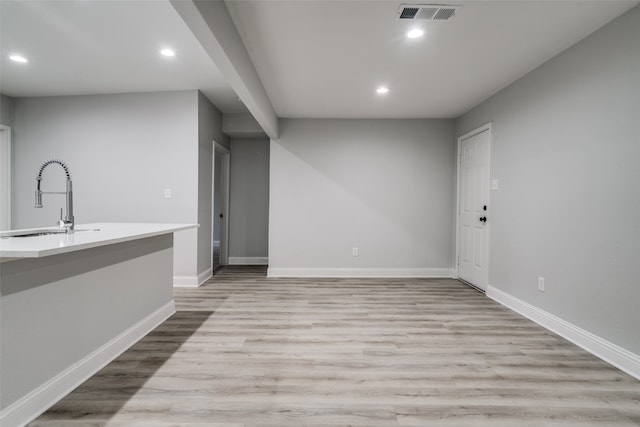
[415, 33]
[167, 52]
[18, 58]
[382, 90]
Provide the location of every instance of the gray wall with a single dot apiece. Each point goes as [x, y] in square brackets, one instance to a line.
[209, 130]
[6, 110]
[57, 311]
[6, 118]
[566, 146]
[384, 186]
[242, 126]
[123, 151]
[249, 199]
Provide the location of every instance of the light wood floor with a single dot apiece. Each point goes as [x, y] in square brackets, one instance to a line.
[245, 350]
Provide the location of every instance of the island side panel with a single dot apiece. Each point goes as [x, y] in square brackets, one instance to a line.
[57, 310]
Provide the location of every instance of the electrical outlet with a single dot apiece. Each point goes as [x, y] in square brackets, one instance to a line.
[167, 193]
[354, 251]
[541, 284]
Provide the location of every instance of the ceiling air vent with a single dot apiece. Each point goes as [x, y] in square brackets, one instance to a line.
[427, 12]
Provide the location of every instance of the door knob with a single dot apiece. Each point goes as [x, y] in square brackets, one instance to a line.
[483, 219]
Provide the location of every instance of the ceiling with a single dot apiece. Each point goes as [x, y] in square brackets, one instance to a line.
[108, 46]
[315, 58]
[319, 58]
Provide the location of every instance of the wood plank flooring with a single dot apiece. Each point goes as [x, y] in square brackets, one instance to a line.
[246, 350]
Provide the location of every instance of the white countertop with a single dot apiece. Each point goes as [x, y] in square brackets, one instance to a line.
[85, 236]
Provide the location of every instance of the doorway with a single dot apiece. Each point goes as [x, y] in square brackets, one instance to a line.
[220, 216]
[473, 220]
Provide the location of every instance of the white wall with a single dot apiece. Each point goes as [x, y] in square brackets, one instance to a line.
[384, 186]
[566, 147]
[249, 201]
[123, 151]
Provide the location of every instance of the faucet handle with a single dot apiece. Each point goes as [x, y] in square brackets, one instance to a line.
[61, 221]
[66, 224]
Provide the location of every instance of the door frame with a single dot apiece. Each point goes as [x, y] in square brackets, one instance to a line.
[225, 154]
[486, 127]
[5, 140]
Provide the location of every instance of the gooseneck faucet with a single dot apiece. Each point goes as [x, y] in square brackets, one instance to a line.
[68, 222]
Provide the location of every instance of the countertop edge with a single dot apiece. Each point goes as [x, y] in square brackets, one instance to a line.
[12, 255]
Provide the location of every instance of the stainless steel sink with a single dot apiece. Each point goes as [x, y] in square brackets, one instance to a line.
[40, 232]
[31, 233]
[36, 234]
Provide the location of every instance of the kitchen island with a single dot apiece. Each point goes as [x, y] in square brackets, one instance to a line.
[71, 303]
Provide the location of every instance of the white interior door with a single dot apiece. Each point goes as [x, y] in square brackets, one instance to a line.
[220, 228]
[473, 207]
[217, 209]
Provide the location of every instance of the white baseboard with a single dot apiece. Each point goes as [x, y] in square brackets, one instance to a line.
[611, 353]
[192, 281]
[185, 281]
[205, 275]
[361, 272]
[257, 260]
[39, 400]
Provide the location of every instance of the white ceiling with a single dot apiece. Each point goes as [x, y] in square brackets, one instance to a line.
[315, 58]
[107, 46]
[320, 58]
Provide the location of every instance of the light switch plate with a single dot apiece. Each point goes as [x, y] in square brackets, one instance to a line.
[495, 184]
[167, 193]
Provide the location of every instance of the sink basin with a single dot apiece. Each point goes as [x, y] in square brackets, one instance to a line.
[40, 232]
[31, 233]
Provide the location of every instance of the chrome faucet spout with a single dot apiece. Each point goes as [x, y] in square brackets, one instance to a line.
[68, 222]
